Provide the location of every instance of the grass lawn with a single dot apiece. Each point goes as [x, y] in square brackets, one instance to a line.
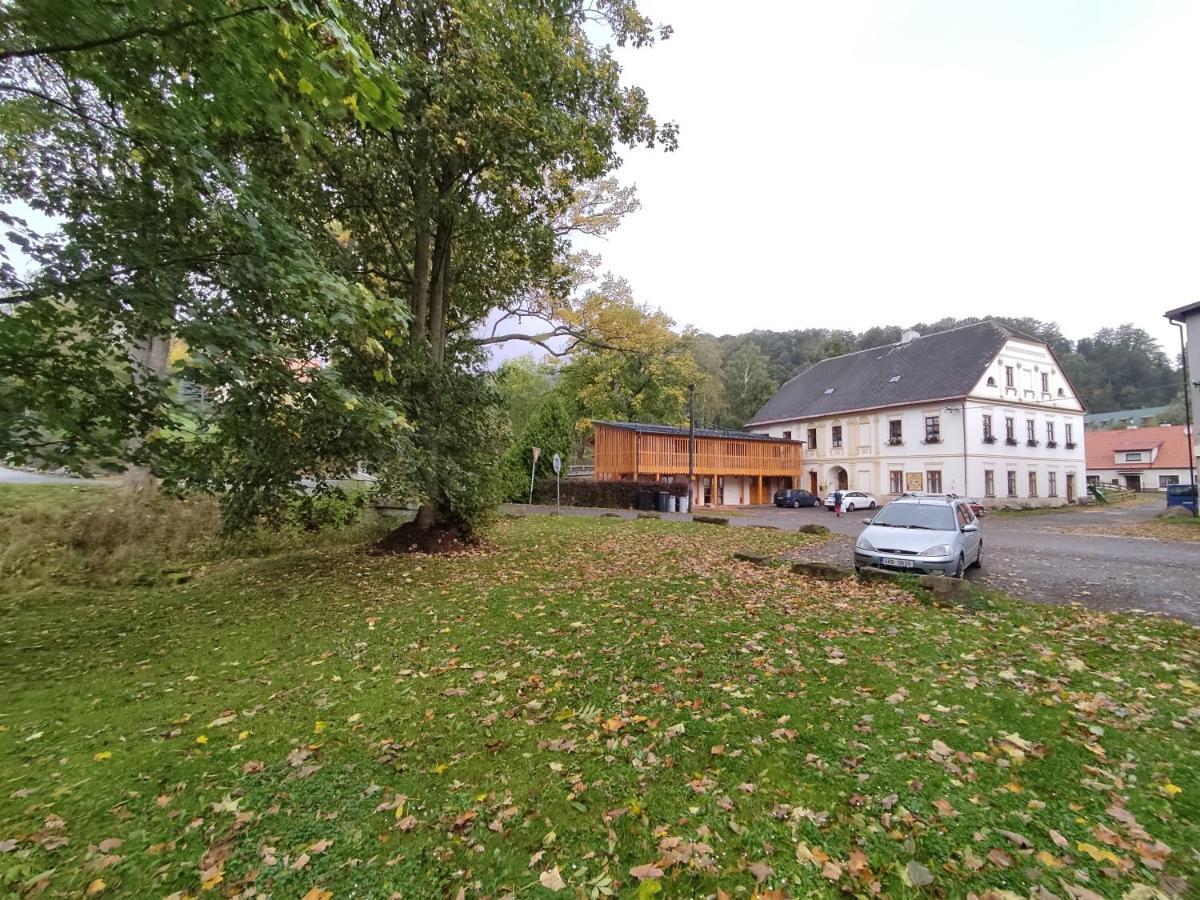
[612, 706]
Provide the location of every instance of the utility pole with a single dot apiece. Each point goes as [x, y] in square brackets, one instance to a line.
[691, 445]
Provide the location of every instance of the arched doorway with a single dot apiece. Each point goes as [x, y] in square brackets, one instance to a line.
[838, 479]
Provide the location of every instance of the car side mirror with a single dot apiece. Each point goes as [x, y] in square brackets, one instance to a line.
[866, 521]
[971, 527]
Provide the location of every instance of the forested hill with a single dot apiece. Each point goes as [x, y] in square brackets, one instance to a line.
[1115, 368]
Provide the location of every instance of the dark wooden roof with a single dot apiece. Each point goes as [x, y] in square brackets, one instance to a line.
[678, 431]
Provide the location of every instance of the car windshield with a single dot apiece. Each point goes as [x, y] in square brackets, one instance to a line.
[916, 515]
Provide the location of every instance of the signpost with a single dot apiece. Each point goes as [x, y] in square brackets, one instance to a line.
[537, 451]
[557, 481]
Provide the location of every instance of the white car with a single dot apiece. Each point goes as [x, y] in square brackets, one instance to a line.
[852, 500]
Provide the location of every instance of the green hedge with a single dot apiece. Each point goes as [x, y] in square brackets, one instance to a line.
[608, 494]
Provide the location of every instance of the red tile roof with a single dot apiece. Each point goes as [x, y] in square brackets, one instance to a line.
[1171, 440]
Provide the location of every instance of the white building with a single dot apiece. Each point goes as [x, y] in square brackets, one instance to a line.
[981, 411]
[1189, 318]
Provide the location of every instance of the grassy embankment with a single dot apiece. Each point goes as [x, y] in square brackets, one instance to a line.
[587, 701]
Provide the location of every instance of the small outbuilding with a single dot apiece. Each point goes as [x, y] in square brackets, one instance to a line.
[733, 468]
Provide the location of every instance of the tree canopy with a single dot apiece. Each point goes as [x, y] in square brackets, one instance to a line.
[324, 202]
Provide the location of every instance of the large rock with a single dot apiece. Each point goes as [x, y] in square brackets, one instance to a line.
[953, 590]
[825, 571]
[759, 559]
[870, 573]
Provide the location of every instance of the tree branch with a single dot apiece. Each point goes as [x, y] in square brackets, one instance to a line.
[131, 34]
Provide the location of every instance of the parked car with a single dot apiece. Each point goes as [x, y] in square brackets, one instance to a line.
[796, 497]
[976, 507]
[927, 534]
[852, 500]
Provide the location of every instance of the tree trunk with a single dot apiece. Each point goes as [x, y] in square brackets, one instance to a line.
[149, 356]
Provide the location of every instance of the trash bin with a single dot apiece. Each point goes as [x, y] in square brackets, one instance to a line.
[645, 499]
[664, 500]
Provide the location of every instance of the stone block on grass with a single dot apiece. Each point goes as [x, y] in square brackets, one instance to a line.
[759, 559]
[813, 529]
[824, 571]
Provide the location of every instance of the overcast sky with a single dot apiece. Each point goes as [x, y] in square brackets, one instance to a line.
[849, 164]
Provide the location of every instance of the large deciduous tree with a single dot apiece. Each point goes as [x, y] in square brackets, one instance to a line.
[324, 202]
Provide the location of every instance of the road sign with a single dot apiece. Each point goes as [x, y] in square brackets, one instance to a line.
[557, 463]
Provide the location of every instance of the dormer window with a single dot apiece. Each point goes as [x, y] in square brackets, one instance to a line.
[991, 382]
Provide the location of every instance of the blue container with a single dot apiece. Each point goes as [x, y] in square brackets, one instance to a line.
[1181, 495]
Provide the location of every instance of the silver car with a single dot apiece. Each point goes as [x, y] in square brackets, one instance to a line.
[924, 534]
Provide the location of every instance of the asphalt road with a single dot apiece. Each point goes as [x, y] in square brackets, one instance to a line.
[1032, 557]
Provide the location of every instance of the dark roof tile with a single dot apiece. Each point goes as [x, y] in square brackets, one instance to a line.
[940, 366]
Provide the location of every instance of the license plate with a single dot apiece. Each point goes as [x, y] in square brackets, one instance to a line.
[898, 563]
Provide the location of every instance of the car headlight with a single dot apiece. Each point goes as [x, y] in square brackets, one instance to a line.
[937, 550]
[864, 544]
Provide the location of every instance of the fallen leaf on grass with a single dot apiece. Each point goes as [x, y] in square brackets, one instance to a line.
[253, 766]
[1001, 858]
[916, 875]
[552, 880]
[96, 887]
[761, 871]
[1019, 840]
[317, 893]
[649, 870]
[108, 845]
[300, 862]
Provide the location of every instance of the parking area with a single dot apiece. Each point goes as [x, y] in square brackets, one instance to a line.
[1033, 556]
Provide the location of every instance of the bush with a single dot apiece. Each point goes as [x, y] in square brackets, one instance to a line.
[325, 508]
[608, 494]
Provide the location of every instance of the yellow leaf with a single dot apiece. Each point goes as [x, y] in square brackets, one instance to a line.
[242, 735]
[1172, 789]
[96, 887]
[1097, 853]
[103, 755]
[319, 727]
[212, 880]
[317, 894]
[1049, 860]
[1013, 787]
[440, 768]
[201, 739]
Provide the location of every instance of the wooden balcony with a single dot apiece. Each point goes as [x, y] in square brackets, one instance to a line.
[625, 451]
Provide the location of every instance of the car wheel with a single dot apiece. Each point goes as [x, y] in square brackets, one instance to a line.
[978, 564]
[872, 506]
[961, 568]
[795, 504]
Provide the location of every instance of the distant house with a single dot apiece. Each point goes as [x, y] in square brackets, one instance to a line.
[1139, 459]
[1123, 418]
[733, 468]
[980, 410]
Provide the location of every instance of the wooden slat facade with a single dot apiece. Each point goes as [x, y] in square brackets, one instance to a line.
[622, 452]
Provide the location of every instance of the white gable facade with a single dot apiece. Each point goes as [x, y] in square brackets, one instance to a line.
[1015, 438]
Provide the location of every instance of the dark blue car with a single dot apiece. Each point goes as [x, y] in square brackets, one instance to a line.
[1181, 495]
[796, 498]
